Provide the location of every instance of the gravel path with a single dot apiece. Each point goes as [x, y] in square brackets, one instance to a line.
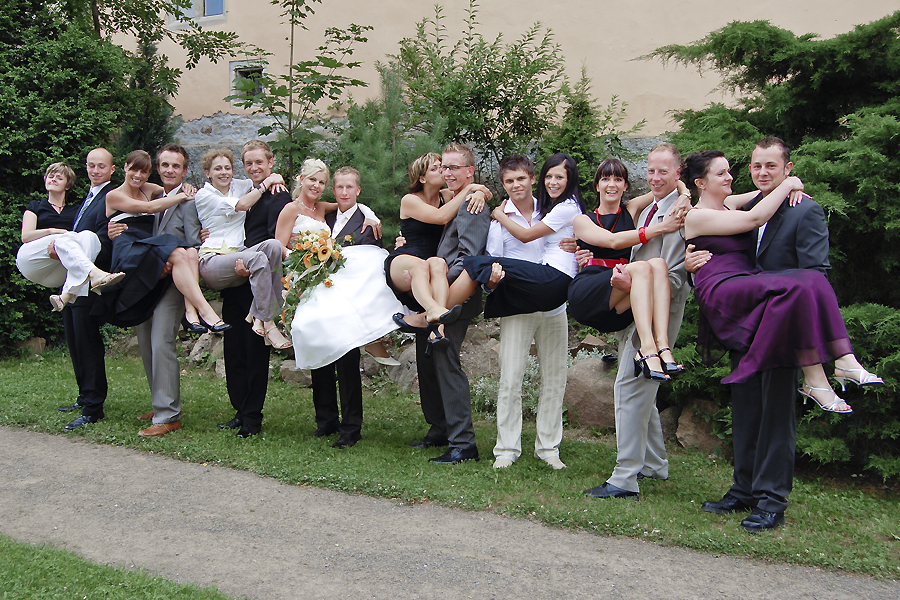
[254, 537]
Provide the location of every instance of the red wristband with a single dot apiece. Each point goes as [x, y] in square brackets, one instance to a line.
[642, 235]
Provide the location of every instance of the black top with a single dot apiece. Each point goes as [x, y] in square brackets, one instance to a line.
[262, 218]
[48, 218]
[620, 221]
[422, 239]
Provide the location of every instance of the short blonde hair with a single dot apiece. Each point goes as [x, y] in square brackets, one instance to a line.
[311, 166]
[212, 154]
[65, 169]
[348, 171]
[257, 145]
[462, 150]
[418, 168]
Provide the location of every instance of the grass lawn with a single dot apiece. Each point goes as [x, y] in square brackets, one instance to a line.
[42, 572]
[845, 526]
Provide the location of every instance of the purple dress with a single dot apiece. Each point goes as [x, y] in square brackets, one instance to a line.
[779, 318]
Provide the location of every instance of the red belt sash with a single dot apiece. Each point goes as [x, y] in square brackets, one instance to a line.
[606, 262]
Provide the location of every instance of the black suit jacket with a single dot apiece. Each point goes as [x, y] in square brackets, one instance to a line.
[796, 237]
[353, 226]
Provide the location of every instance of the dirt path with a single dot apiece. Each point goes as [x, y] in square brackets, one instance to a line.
[258, 538]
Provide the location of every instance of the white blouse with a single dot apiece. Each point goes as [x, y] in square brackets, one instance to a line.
[218, 215]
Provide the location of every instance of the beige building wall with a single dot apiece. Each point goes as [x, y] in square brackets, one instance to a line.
[603, 35]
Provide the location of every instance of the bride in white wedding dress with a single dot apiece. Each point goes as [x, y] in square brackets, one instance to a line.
[358, 307]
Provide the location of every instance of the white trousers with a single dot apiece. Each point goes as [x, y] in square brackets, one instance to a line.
[76, 251]
[550, 334]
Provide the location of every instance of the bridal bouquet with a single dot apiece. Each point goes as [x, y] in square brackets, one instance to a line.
[315, 257]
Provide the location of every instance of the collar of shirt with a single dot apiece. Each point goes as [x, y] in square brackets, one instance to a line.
[513, 211]
[342, 218]
[175, 190]
[96, 189]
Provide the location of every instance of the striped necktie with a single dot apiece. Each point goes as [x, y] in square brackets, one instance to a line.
[84, 205]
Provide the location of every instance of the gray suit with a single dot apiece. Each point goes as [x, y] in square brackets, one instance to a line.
[763, 422]
[639, 440]
[157, 335]
[443, 385]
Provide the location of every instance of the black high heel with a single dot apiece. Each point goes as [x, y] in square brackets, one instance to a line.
[640, 366]
[406, 327]
[670, 368]
[217, 328]
[192, 327]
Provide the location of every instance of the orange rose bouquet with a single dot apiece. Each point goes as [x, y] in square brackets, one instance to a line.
[314, 258]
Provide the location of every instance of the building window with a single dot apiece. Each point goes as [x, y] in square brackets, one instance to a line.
[247, 69]
[204, 12]
[213, 7]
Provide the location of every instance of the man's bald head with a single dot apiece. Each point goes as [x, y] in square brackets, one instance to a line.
[99, 166]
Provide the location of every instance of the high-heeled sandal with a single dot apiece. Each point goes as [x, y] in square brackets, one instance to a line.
[276, 339]
[826, 407]
[106, 281]
[865, 378]
[57, 302]
[670, 368]
[256, 325]
[641, 366]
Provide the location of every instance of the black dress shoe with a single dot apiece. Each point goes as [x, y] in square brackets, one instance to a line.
[455, 456]
[428, 443]
[232, 424]
[451, 316]
[760, 520]
[608, 490]
[75, 406]
[192, 327]
[727, 505]
[347, 440]
[81, 422]
[325, 431]
[246, 431]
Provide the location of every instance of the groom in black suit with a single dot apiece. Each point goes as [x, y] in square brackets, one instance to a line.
[763, 421]
[347, 220]
[82, 328]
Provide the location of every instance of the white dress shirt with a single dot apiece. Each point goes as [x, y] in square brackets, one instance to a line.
[218, 215]
[342, 219]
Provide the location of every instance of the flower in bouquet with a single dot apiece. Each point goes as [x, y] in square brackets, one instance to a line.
[315, 257]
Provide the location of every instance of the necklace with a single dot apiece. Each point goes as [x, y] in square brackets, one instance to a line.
[303, 205]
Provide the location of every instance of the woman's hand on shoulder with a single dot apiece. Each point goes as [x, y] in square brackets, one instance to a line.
[477, 200]
[673, 221]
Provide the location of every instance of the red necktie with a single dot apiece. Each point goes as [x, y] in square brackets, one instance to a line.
[652, 212]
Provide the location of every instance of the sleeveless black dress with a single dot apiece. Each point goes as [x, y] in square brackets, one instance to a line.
[422, 240]
[589, 292]
[142, 257]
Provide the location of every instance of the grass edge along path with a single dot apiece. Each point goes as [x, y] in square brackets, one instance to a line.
[40, 571]
[854, 528]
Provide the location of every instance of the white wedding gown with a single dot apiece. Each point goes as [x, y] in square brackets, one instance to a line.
[356, 310]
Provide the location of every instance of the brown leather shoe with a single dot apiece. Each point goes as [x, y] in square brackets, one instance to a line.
[158, 429]
[146, 416]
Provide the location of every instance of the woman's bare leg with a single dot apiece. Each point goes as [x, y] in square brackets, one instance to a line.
[419, 281]
[185, 275]
[190, 312]
[462, 288]
[662, 300]
[642, 299]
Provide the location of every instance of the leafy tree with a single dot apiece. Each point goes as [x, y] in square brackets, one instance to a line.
[61, 93]
[495, 96]
[378, 140]
[587, 131]
[291, 99]
[835, 102]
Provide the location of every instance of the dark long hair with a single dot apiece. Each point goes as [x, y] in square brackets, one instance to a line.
[544, 201]
[696, 166]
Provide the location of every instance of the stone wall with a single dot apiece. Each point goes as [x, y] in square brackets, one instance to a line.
[220, 129]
